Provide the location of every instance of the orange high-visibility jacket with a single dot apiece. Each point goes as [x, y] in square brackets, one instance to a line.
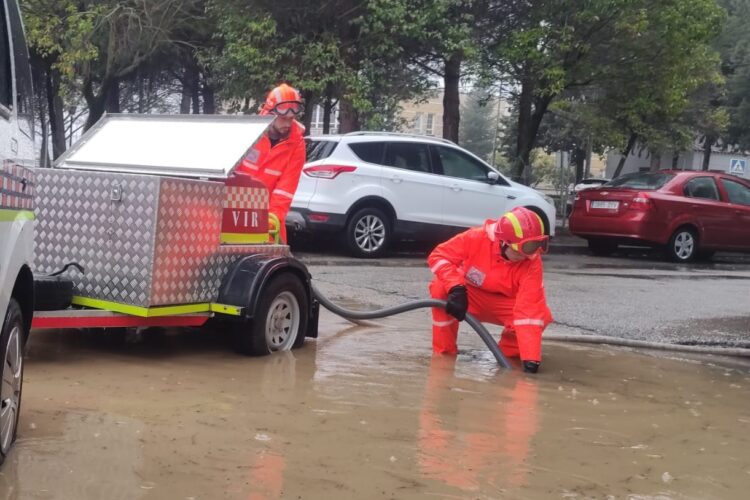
[473, 258]
[279, 168]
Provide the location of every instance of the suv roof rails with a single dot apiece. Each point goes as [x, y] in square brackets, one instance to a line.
[400, 134]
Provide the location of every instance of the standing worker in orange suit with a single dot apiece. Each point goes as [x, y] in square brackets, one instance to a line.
[495, 273]
[278, 156]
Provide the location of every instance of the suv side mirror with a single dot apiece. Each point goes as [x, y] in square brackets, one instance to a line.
[493, 177]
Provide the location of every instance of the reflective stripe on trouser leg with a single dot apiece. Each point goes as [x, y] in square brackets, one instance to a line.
[444, 326]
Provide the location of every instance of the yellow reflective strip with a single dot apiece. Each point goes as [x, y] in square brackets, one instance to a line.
[143, 312]
[9, 215]
[516, 224]
[541, 222]
[243, 238]
[226, 309]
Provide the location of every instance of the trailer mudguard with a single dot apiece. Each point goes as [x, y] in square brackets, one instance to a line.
[247, 278]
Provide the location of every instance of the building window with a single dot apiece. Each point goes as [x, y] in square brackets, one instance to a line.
[417, 127]
[317, 119]
[428, 129]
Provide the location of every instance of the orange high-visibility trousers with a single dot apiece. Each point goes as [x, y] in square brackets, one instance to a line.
[488, 308]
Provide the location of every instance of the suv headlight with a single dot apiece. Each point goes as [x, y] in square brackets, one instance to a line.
[548, 200]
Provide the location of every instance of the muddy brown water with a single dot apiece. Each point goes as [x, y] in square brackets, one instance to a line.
[369, 413]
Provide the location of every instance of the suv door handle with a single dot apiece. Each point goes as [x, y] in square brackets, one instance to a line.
[456, 188]
[396, 179]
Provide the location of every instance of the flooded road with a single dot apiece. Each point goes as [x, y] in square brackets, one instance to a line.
[369, 413]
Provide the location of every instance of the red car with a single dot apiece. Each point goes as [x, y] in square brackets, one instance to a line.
[689, 213]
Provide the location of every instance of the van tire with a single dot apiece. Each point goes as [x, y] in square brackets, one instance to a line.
[11, 356]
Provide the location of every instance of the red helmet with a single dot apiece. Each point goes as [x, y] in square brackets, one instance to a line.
[523, 230]
[284, 100]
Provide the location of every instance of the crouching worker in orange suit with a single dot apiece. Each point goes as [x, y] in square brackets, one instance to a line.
[495, 273]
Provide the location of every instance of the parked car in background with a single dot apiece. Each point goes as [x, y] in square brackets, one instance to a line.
[587, 183]
[374, 188]
[16, 216]
[688, 213]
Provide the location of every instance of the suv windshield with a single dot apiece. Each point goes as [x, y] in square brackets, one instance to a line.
[641, 180]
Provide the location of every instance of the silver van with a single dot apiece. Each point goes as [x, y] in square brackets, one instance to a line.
[16, 215]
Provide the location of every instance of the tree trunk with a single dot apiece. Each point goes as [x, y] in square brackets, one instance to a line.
[209, 99]
[523, 148]
[578, 157]
[655, 163]
[707, 145]
[185, 100]
[348, 117]
[530, 114]
[95, 105]
[327, 110]
[625, 153]
[589, 155]
[675, 160]
[139, 78]
[44, 160]
[55, 110]
[451, 97]
[112, 102]
[310, 102]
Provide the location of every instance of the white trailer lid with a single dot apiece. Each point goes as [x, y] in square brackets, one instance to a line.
[201, 146]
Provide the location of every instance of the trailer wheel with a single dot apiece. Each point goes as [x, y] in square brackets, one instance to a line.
[11, 354]
[280, 321]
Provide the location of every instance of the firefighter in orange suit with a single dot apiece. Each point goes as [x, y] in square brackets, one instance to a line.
[495, 273]
[277, 158]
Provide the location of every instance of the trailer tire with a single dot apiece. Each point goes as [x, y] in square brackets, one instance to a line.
[52, 293]
[11, 355]
[280, 321]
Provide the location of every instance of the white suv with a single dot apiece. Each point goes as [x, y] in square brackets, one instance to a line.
[16, 216]
[375, 187]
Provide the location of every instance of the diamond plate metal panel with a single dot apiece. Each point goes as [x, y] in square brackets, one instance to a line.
[78, 220]
[187, 237]
[143, 240]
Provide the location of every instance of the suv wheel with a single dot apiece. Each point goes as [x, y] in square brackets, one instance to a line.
[368, 233]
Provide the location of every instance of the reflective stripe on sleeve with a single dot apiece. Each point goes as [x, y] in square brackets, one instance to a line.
[439, 264]
[273, 172]
[533, 322]
[281, 192]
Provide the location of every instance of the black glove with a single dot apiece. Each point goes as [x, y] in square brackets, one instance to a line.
[458, 302]
[531, 366]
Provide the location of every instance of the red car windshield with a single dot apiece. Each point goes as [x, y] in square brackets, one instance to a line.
[641, 180]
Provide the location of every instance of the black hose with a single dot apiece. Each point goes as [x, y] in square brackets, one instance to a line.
[410, 306]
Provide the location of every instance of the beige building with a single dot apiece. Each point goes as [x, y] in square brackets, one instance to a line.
[424, 117]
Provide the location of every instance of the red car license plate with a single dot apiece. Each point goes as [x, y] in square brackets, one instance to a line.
[607, 205]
